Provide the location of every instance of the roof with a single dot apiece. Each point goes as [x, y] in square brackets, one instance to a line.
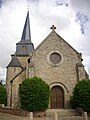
[26, 34]
[14, 62]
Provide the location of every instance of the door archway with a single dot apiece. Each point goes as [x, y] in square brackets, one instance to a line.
[57, 98]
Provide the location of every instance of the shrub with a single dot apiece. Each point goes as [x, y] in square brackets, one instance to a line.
[2, 94]
[81, 95]
[34, 94]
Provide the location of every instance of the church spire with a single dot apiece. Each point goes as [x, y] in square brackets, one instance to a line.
[26, 35]
[25, 46]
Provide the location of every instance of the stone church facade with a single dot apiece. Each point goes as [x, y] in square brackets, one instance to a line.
[54, 60]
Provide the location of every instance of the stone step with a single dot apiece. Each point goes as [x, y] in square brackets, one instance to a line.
[63, 112]
[70, 118]
[52, 117]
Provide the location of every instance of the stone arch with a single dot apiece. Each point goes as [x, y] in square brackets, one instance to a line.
[59, 94]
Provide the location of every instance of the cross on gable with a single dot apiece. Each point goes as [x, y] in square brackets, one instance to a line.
[53, 27]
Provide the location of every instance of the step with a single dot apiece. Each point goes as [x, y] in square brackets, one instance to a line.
[63, 112]
[70, 118]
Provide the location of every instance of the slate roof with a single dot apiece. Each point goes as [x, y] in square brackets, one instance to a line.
[26, 35]
[25, 40]
[14, 62]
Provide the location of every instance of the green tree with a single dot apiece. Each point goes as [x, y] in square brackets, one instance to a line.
[34, 94]
[2, 94]
[1, 82]
[81, 95]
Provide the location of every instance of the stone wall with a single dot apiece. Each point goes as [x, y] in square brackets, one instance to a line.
[63, 74]
[12, 111]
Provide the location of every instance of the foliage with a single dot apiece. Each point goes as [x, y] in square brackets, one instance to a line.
[34, 94]
[81, 95]
[1, 82]
[2, 94]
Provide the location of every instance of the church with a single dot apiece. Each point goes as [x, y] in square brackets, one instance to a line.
[54, 60]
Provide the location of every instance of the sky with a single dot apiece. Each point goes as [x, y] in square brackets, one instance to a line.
[71, 18]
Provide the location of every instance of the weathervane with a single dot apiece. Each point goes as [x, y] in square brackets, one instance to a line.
[27, 4]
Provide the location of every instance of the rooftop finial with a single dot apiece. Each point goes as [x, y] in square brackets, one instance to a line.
[53, 27]
[28, 7]
[27, 4]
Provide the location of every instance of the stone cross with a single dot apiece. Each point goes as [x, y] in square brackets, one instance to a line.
[53, 27]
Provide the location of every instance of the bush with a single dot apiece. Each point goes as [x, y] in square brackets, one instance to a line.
[34, 94]
[2, 94]
[81, 96]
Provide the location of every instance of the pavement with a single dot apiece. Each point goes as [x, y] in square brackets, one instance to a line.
[4, 116]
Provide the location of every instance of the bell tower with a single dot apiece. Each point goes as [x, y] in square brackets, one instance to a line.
[16, 69]
[25, 46]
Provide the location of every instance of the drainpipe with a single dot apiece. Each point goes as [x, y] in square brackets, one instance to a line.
[12, 82]
[77, 72]
[11, 94]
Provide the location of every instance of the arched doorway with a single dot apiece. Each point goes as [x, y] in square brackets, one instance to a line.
[57, 97]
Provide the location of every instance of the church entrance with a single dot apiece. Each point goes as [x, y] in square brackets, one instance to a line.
[57, 98]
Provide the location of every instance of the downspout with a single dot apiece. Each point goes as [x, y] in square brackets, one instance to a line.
[12, 82]
[11, 94]
[77, 72]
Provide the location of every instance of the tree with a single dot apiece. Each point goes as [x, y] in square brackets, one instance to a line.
[81, 95]
[34, 94]
[2, 94]
[1, 82]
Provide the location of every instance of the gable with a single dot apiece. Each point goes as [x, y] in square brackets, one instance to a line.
[54, 42]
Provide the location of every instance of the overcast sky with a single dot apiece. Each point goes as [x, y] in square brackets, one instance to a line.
[71, 18]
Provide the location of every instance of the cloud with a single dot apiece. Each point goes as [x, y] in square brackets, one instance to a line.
[81, 5]
[2, 74]
[62, 2]
[82, 19]
[2, 2]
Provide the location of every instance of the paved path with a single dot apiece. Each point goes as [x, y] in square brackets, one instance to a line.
[4, 116]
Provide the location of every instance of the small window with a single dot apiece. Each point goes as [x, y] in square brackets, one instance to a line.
[19, 85]
[23, 48]
[28, 60]
[55, 58]
[14, 69]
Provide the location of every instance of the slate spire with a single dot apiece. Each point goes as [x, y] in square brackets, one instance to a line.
[25, 46]
[26, 35]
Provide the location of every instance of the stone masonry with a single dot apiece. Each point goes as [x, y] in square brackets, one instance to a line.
[54, 60]
[66, 73]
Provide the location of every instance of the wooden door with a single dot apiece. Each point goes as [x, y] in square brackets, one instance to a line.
[57, 98]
